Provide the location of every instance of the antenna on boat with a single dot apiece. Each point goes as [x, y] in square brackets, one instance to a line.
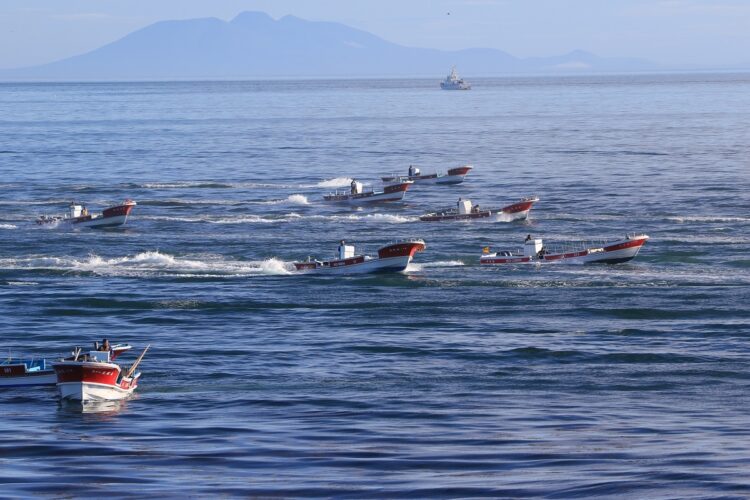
[137, 362]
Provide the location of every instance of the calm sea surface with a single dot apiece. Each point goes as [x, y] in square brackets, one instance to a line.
[450, 380]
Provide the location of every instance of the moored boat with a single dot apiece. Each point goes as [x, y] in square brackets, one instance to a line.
[358, 196]
[534, 250]
[95, 377]
[451, 176]
[392, 258]
[465, 210]
[78, 216]
[15, 372]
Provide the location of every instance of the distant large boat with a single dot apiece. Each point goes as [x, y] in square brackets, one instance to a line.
[453, 82]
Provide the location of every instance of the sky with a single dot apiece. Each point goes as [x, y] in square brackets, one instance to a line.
[678, 33]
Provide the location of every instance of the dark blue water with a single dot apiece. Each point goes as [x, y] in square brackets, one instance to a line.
[450, 380]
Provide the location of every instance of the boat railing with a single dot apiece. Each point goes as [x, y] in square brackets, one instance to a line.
[404, 240]
[575, 246]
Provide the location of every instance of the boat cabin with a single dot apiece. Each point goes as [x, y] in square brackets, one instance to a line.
[99, 356]
[464, 206]
[346, 251]
[531, 248]
[76, 210]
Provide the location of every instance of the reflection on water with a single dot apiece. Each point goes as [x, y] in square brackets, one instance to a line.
[103, 408]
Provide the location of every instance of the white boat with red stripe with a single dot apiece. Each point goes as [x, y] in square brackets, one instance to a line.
[357, 195]
[452, 176]
[95, 377]
[465, 210]
[584, 252]
[392, 258]
[16, 372]
[79, 216]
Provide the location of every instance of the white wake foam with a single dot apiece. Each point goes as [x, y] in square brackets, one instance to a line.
[707, 218]
[292, 199]
[333, 183]
[8, 226]
[152, 263]
[415, 266]
[290, 217]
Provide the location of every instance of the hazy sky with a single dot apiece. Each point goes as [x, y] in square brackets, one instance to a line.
[676, 32]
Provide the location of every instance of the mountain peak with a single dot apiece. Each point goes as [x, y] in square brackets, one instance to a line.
[251, 17]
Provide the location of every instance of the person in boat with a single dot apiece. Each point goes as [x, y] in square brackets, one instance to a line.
[458, 205]
[528, 238]
[354, 186]
[84, 211]
[104, 346]
[475, 209]
[341, 249]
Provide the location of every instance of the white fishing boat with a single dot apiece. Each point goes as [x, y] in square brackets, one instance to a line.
[451, 176]
[392, 258]
[78, 216]
[357, 195]
[453, 82]
[15, 372]
[95, 377]
[583, 252]
[465, 210]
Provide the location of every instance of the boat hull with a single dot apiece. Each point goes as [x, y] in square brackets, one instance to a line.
[390, 194]
[613, 253]
[110, 217]
[392, 258]
[93, 381]
[16, 372]
[453, 176]
[84, 392]
[46, 377]
[516, 211]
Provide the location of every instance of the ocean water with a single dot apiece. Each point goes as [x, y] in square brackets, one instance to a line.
[451, 380]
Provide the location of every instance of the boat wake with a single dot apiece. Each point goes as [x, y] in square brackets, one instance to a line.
[332, 183]
[707, 218]
[286, 218]
[8, 226]
[414, 266]
[292, 199]
[149, 264]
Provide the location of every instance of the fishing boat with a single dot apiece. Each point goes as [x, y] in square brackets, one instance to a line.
[15, 372]
[358, 196]
[452, 176]
[453, 82]
[392, 258]
[583, 252]
[78, 216]
[465, 210]
[95, 377]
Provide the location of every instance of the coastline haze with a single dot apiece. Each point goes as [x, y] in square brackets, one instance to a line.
[678, 34]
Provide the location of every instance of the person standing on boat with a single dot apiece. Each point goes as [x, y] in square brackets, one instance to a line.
[354, 186]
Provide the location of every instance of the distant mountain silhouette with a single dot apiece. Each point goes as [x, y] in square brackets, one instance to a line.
[253, 45]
